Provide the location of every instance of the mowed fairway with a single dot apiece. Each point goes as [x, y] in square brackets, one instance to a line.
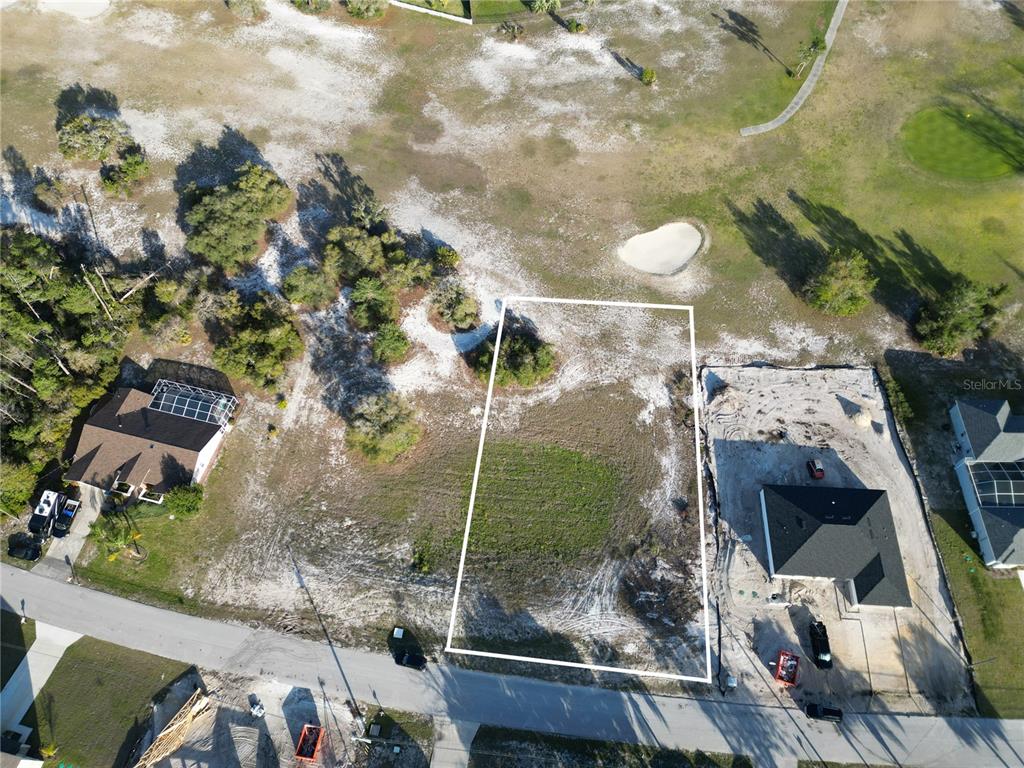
[541, 502]
[960, 143]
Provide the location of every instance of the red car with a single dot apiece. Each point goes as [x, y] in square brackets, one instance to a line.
[815, 469]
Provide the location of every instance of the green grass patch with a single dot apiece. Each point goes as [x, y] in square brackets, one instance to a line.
[992, 608]
[496, 10]
[495, 747]
[96, 704]
[542, 501]
[15, 638]
[962, 143]
[451, 8]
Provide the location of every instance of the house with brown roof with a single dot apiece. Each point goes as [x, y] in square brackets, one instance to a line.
[141, 444]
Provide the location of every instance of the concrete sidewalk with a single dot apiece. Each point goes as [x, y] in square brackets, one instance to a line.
[452, 741]
[31, 675]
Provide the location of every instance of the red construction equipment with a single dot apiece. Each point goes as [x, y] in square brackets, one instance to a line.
[786, 667]
[308, 749]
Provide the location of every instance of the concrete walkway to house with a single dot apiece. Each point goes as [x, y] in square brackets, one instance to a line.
[809, 83]
[31, 675]
[61, 555]
[452, 741]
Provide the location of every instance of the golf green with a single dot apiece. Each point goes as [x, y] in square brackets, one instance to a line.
[961, 144]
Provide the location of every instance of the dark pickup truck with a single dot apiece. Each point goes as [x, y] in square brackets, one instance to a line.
[820, 648]
[821, 712]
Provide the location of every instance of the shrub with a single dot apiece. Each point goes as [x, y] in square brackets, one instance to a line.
[351, 253]
[17, 481]
[960, 316]
[648, 76]
[247, 9]
[455, 306]
[184, 501]
[255, 341]
[51, 194]
[310, 287]
[437, 5]
[366, 9]
[119, 179]
[446, 258]
[545, 6]
[843, 287]
[576, 27]
[92, 138]
[523, 359]
[390, 344]
[382, 427]
[373, 304]
[226, 224]
[901, 408]
[312, 6]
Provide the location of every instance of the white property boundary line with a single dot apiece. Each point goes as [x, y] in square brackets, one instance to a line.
[430, 12]
[505, 303]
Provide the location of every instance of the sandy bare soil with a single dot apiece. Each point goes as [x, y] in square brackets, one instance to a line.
[763, 424]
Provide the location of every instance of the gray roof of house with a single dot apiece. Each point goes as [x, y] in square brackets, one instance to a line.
[995, 433]
[1005, 529]
[838, 533]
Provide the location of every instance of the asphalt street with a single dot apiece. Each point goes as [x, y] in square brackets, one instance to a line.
[771, 736]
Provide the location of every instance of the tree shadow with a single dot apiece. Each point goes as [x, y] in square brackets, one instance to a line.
[777, 242]
[81, 99]
[1001, 131]
[632, 68]
[332, 198]
[746, 31]
[207, 167]
[1013, 11]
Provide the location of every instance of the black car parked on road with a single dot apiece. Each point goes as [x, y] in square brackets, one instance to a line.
[821, 712]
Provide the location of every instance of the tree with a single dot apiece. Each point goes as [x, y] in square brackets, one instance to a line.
[351, 253]
[373, 304]
[523, 358]
[455, 306]
[17, 482]
[843, 286]
[227, 223]
[960, 316]
[309, 286]
[382, 427]
[119, 179]
[648, 76]
[312, 6]
[545, 6]
[366, 9]
[85, 137]
[446, 258]
[390, 344]
[256, 339]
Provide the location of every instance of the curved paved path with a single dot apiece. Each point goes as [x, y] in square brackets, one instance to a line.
[771, 736]
[809, 83]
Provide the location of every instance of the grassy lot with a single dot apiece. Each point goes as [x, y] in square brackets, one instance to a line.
[413, 732]
[965, 145]
[542, 501]
[992, 608]
[495, 747]
[496, 10]
[15, 638]
[96, 704]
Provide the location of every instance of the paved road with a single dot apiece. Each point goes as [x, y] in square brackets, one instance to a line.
[809, 83]
[771, 736]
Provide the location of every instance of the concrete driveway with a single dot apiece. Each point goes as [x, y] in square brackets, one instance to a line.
[61, 555]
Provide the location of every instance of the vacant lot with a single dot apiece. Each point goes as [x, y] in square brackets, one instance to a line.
[585, 539]
[96, 705]
[763, 425]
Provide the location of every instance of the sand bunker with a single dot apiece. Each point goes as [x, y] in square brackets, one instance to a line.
[81, 9]
[663, 251]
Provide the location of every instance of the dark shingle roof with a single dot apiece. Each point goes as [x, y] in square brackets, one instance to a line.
[1005, 529]
[994, 432]
[837, 533]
